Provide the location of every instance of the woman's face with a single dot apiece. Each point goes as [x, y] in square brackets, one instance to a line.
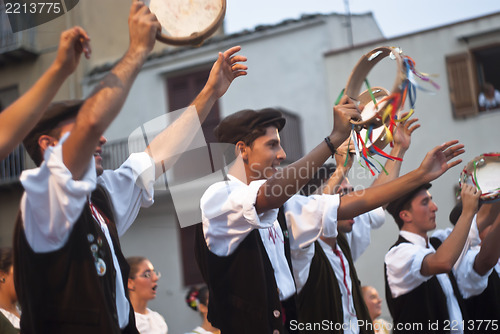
[8, 286]
[373, 302]
[145, 282]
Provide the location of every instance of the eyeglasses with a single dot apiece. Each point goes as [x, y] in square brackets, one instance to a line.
[149, 274]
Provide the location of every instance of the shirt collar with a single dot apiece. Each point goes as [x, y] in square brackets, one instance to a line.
[414, 238]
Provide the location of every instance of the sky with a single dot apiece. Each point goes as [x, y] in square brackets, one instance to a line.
[395, 17]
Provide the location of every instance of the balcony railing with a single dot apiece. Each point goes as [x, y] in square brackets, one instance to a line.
[12, 166]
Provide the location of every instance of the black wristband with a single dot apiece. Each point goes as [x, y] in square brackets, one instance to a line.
[330, 146]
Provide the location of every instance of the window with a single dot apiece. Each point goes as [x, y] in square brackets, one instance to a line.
[182, 89]
[467, 73]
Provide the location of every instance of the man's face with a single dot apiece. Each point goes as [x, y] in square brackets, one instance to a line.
[345, 226]
[67, 126]
[422, 213]
[263, 155]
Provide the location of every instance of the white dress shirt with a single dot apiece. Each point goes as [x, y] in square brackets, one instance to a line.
[341, 269]
[150, 323]
[229, 215]
[360, 237]
[53, 202]
[404, 263]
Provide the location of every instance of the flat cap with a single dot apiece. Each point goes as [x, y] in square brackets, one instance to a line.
[396, 206]
[56, 113]
[237, 126]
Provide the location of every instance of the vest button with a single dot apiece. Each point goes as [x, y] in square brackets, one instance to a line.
[276, 313]
[276, 331]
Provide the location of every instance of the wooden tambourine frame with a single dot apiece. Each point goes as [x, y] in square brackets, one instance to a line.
[196, 38]
[490, 191]
[360, 72]
[381, 140]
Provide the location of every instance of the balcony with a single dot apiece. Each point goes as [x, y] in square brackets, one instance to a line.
[12, 166]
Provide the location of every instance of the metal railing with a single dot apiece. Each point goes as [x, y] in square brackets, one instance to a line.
[12, 166]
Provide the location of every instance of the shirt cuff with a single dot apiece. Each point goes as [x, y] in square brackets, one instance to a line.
[264, 219]
[143, 171]
[330, 208]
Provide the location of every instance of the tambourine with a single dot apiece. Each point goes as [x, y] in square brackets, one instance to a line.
[484, 173]
[187, 22]
[377, 135]
[358, 78]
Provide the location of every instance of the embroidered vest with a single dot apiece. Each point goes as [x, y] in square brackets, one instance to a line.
[422, 306]
[486, 306]
[320, 299]
[61, 291]
[243, 293]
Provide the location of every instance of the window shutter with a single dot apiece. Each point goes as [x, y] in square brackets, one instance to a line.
[461, 82]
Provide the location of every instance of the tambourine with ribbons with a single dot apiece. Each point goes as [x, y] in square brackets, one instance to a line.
[484, 173]
[187, 22]
[382, 108]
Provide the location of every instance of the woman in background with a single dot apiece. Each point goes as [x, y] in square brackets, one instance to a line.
[9, 312]
[197, 300]
[142, 285]
[374, 305]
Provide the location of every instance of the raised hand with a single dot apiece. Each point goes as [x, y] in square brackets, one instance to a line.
[227, 68]
[438, 160]
[470, 198]
[342, 115]
[72, 44]
[344, 150]
[404, 130]
[143, 27]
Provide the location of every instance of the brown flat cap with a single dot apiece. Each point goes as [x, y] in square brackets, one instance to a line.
[237, 126]
[56, 113]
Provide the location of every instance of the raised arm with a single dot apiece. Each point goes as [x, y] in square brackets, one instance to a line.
[436, 162]
[443, 260]
[289, 180]
[227, 68]
[402, 141]
[20, 117]
[108, 97]
[167, 146]
[343, 161]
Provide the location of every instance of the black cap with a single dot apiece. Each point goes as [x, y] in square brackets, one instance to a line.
[237, 126]
[396, 206]
[56, 113]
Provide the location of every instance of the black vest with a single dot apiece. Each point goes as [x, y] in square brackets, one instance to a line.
[486, 306]
[243, 293]
[423, 306]
[60, 291]
[320, 299]
[6, 326]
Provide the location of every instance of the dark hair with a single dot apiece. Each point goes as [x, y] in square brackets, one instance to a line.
[133, 262]
[6, 259]
[197, 295]
[249, 139]
[323, 173]
[404, 203]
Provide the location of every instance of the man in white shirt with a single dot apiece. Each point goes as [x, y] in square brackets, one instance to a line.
[418, 290]
[241, 249]
[70, 271]
[327, 267]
